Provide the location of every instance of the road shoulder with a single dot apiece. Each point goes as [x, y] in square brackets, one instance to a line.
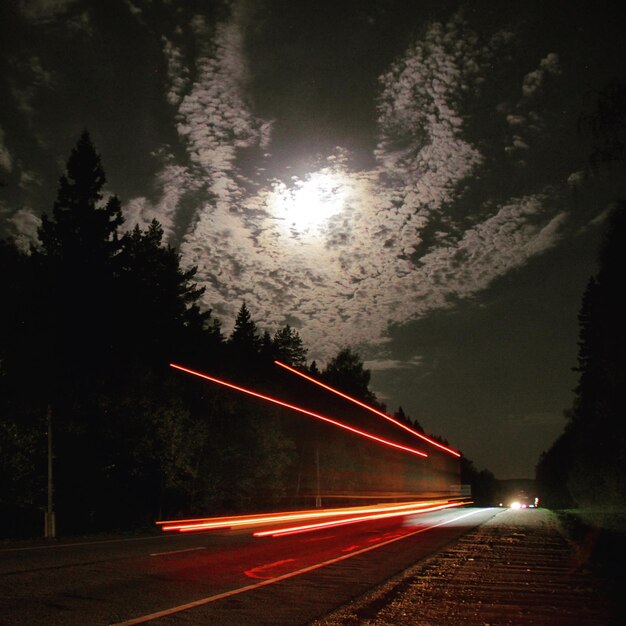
[517, 568]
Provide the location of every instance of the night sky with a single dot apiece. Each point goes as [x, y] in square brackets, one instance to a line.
[406, 178]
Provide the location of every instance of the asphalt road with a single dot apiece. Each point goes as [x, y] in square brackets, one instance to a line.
[225, 579]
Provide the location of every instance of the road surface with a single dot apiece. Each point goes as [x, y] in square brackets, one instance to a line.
[227, 578]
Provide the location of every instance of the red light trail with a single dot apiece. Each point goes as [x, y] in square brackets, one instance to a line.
[369, 408]
[295, 530]
[322, 418]
[339, 517]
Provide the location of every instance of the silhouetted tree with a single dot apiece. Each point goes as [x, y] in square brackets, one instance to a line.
[403, 417]
[119, 308]
[346, 372]
[267, 350]
[245, 335]
[81, 229]
[23, 375]
[587, 464]
[484, 484]
[78, 244]
[589, 460]
[244, 346]
[599, 473]
[553, 472]
[289, 347]
[157, 298]
[22, 317]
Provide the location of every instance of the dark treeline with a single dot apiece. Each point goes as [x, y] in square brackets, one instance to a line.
[91, 318]
[586, 465]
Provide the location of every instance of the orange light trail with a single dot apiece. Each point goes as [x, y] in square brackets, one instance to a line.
[329, 420]
[240, 521]
[369, 408]
[294, 530]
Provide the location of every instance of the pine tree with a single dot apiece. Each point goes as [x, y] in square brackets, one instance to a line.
[245, 336]
[157, 297]
[78, 245]
[246, 356]
[587, 463]
[401, 416]
[346, 372]
[81, 230]
[289, 347]
[599, 428]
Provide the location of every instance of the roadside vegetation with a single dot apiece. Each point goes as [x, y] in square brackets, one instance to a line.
[585, 468]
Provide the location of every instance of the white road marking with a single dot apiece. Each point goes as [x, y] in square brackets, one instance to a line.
[233, 592]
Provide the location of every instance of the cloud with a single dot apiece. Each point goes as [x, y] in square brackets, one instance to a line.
[493, 247]
[576, 179]
[44, 10]
[533, 81]
[177, 72]
[527, 117]
[421, 127]
[24, 224]
[29, 179]
[31, 78]
[6, 160]
[133, 8]
[518, 144]
[173, 183]
[516, 120]
[213, 121]
[80, 24]
[551, 63]
[399, 239]
[214, 118]
[392, 364]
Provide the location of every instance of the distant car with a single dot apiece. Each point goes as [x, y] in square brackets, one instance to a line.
[521, 500]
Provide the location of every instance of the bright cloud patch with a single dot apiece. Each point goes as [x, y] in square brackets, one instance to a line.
[343, 252]
[309, 203]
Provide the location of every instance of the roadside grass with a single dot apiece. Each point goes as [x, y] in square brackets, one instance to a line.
[606, 518]
[599, 539]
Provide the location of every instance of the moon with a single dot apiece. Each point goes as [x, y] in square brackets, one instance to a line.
[309, 203]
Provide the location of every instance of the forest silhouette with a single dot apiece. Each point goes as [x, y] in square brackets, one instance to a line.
[586, 466]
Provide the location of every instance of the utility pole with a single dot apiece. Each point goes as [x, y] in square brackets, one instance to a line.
[50, 531]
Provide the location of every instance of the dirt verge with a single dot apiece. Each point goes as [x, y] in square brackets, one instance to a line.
[516, 569]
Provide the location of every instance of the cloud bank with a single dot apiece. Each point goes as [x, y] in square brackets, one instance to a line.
[403, 240]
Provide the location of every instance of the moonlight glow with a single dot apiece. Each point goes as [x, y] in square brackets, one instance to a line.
[309, 202]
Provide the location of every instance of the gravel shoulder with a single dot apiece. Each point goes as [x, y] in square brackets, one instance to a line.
[516, 569]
